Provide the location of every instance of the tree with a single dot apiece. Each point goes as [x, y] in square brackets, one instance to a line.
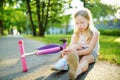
[31, 20]
[1, 20]
[99, 9]
[48, 11]
[11, 15]
[41, 12]
[43, 18]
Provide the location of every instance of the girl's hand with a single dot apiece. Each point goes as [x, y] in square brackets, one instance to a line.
[66, 51]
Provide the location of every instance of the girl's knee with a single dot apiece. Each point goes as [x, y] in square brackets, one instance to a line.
[83, 58]
[83, 65]
[88, 58]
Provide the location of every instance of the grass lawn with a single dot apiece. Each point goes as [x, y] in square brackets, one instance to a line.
[110, 49]
[109, 46]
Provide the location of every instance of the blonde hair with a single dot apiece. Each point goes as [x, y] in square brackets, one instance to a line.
[87, 14]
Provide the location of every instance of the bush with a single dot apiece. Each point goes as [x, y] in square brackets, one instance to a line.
[113, 32]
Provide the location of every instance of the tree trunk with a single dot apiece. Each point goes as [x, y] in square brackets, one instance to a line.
[31, 20]
[40, 17]
[1, 27]
[1, 19]
[46, 18]
[42, 31]
[38, 13]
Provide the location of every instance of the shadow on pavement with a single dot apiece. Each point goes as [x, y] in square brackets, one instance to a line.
[64, 75]
[83, 75]
[15, 71]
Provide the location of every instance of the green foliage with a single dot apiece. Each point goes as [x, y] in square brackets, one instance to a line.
[13, 12]
[13, 16]
[5, 32]
[60, 21]
[99, 9]
[112, 32]
[109, 50]
[56, 16]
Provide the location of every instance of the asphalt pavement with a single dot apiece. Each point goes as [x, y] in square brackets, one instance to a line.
[39, 65]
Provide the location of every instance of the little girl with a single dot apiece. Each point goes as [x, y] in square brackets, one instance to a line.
[86, 36]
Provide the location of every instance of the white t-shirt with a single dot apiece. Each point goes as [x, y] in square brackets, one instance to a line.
[83, 42]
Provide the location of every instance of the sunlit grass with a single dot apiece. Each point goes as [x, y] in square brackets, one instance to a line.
[110, 49]
[50, 39]
[109, 46]
[117, 40]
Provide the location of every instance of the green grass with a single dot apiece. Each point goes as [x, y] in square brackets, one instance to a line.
[0, 35]
[50, 39]
[109, 46]
[111, 32]
[110, 49]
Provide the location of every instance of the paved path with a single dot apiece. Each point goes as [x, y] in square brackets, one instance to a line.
[39, 66]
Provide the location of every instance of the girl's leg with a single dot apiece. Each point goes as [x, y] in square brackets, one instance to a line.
[84, 64]
[73, 62]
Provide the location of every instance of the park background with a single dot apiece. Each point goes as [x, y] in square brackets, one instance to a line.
[50, 20]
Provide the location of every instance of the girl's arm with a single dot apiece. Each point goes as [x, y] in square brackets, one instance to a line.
[91, 45]
[73, 39]
[68, 49]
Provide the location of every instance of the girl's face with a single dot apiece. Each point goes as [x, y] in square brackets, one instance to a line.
[81, 23]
